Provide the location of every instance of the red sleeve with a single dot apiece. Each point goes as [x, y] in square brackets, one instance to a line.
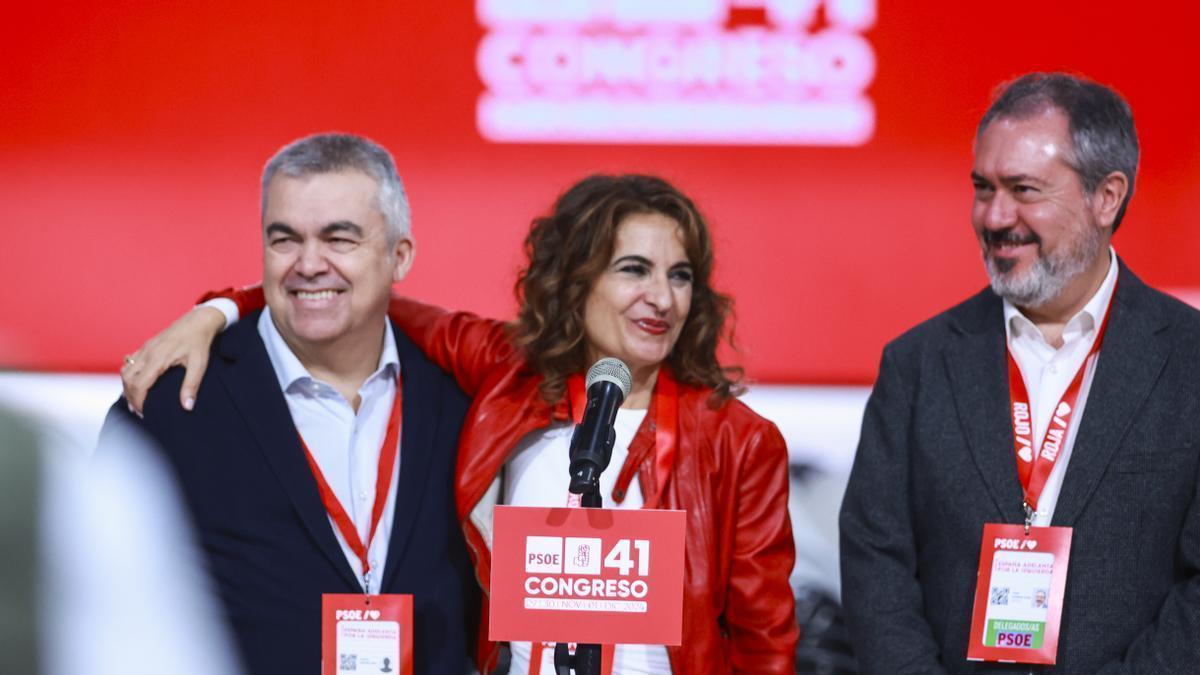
[761, 611]
[463, 344]
[248, 298]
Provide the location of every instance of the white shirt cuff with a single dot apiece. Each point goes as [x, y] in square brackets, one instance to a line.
[225, 306]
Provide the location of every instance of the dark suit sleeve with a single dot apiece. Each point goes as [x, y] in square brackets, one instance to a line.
[880, 591]
[1169, 644]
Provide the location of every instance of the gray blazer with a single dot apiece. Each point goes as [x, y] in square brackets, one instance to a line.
[935, 462]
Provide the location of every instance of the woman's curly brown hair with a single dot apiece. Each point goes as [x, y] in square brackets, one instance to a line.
[569, 249]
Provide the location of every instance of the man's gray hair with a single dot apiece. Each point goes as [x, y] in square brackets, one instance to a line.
[1100, 122]
[333, 152]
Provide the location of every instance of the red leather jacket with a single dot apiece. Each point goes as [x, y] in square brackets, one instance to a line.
[730, 476]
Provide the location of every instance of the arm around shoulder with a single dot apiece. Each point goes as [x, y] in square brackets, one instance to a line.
[465, 345]
[461, 343]
[247, 298]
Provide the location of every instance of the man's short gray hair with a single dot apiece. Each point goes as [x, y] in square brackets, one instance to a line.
[1103, 137]
[333, 152]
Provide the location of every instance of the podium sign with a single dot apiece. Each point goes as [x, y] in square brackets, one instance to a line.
[601, 576]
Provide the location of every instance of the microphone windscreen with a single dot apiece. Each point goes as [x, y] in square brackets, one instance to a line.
[610, 370]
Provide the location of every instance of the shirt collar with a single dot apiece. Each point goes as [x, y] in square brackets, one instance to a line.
[291, 373]
[1083, 323]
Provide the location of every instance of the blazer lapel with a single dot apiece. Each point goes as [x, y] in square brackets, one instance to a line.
[978, 371]
[254, 389]
[1131, 360]
[418, 442]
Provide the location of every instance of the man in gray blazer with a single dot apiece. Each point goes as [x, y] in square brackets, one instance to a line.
[1055, 162]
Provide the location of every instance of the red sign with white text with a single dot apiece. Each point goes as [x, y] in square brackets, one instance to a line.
[827, 143]
[587, 575]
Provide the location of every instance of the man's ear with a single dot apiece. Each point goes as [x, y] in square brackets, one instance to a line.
[1108, 197]
[404, 251]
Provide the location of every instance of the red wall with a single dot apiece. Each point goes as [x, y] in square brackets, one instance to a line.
[134, 134]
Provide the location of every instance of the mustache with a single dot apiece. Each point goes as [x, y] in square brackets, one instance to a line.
[993, 238]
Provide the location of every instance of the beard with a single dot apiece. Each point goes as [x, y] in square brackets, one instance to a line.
[1048, 275]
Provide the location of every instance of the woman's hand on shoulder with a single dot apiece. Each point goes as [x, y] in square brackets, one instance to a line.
[184, 343]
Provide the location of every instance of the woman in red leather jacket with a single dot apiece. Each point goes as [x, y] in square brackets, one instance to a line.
[620, 268]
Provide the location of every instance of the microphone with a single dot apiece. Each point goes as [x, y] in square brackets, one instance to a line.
[608, 383]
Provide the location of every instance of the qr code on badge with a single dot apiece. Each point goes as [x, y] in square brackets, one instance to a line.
[347, 661]
[999, 596]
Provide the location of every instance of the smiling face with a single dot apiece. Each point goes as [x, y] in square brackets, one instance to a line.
[636, 308]
[1037, 227]
[327, 264]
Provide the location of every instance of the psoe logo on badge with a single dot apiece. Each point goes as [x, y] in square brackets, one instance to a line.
[1008, 544]
[582, 555]
[544, 554]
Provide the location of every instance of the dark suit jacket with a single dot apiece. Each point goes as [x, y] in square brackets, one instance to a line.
[269, 544]
[935, 462]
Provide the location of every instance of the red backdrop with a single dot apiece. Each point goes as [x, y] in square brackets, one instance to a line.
[135, 133]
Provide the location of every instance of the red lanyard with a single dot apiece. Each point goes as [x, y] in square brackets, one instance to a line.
[383, 480]
[666, 418]
[1035, 462]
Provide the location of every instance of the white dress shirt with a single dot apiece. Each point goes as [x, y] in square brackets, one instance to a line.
[1048, 372]
[538, 474]
[345, 444]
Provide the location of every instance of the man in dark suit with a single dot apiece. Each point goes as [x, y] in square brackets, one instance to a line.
[1055, 161]
[310, 393]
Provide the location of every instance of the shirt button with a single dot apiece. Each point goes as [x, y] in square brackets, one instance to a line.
[362, 495]
[1053, 369]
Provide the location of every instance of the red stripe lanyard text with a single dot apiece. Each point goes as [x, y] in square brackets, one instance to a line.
[1036, 462]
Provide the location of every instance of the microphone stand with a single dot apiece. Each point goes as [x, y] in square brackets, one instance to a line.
[591, 450]
[586, 659]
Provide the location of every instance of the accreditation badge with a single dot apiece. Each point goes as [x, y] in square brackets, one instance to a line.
[1019, 594]
[366, 634]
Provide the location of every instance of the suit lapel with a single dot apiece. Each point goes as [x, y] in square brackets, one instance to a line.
[418, 443]
[254, 389]
[976, 364]
[1131, 360]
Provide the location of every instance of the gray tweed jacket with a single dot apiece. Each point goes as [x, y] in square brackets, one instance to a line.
[935, 462]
